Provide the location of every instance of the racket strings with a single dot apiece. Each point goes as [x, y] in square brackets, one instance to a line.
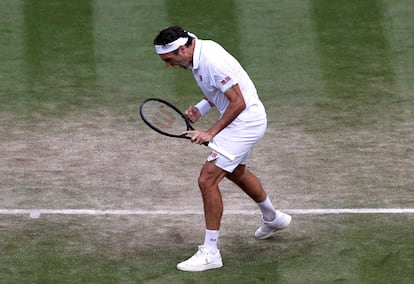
[164, 118]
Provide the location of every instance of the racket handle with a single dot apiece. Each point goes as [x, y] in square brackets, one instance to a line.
[220, 151]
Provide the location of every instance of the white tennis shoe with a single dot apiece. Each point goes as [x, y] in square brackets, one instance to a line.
[267, 229]
[202, 260]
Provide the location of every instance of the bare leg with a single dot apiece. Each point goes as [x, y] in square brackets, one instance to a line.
[209, 179]
[248, 182]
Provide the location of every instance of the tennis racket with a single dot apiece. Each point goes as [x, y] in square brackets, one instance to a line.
[168, 120]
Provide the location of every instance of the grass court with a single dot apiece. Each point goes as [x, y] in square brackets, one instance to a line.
[335, 76]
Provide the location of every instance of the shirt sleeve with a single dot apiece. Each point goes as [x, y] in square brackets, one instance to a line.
[224, 77]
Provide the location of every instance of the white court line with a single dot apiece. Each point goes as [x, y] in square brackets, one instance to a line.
[35, 213]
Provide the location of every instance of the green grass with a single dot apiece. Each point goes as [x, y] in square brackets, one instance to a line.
[322, 249]
[336, 79]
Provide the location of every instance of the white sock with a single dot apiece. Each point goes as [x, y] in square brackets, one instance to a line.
[268, 212]
[211, 239]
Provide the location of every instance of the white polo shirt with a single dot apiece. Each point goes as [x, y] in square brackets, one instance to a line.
[216, 71]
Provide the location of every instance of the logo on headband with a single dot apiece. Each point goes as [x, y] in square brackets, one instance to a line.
[170, 47]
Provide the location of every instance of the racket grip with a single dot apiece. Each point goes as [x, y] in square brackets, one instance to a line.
[220, 151]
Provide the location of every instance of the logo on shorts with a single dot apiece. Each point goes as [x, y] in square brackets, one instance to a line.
[213, 155]
[201, 78]
[225, 80]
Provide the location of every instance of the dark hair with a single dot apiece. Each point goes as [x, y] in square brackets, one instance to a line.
[170, 34]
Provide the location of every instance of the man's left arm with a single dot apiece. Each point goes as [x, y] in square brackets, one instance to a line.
[235, 107]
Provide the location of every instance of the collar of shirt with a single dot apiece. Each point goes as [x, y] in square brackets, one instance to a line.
[196, 55]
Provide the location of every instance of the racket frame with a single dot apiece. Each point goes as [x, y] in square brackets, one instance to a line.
[210, 145]
[188, 125]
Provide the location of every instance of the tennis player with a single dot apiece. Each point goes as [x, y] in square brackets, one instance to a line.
[241, 125]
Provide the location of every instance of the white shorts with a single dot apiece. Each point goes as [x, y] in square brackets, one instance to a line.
[239, 141]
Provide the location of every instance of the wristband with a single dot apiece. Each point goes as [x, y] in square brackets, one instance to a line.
[203, 106]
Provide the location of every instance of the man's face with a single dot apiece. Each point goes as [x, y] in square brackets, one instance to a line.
[181, 59]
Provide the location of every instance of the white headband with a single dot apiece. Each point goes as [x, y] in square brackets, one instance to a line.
[170, 47]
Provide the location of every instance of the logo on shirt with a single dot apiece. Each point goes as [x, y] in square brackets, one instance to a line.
[225, 80]
[201, 78]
